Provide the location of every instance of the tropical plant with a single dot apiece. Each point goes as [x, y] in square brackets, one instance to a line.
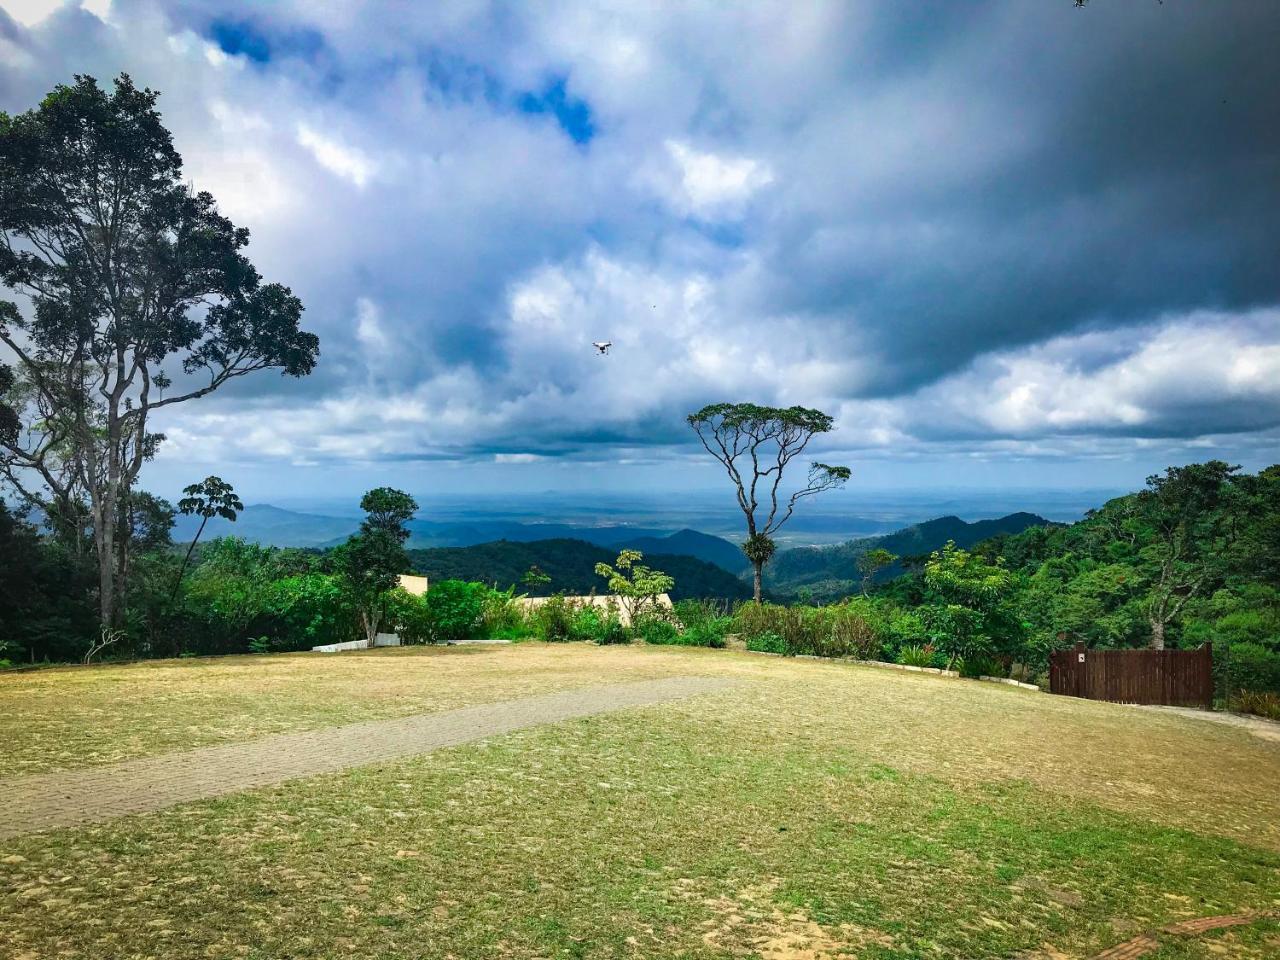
[371, 561]
[637, 586]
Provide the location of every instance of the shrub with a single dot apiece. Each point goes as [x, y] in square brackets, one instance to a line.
[1253, 668]
[503, 619]
[916, 656]
[852, 634]
[974, 667]
[592, 624]
[705, 623]
[767, 642]
[656, 629]
[1262, 704]
[552, 620]
[450, 612]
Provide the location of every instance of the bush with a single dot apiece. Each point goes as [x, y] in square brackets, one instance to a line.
[1253, 668]
[656, 629]
[595, 625]
[450, 612]
[856, 628]
[1261, 704]
[705, 623]
[767, 642]
[916, 656]
[974, 667]
[503, 619]
[552, 620]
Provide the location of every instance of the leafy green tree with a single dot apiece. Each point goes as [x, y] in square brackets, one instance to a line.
[534, 578]
[370, 563]
[211, 497]
[125, 271]
[1191, 514]
[388, 509]
[638, 586]
[872, 562]
[755, 444]
[968, 605]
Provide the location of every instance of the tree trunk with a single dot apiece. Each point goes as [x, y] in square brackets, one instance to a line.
[370, 619]
[1157, 634]
[104, 523]
[758, 580]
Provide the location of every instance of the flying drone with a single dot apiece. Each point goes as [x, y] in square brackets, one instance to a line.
[602, 346]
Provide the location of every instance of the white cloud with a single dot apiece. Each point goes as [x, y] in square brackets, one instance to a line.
[710, 185]
[345, 161]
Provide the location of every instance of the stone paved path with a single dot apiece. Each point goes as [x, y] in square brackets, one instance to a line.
[1148, 943]
[71, 797]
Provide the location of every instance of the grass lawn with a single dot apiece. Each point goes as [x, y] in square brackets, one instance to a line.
[814, 810]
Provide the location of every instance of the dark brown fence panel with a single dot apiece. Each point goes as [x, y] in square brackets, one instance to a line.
[1181, 678]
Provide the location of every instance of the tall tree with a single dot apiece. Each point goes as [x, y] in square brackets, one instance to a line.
[371, 561]
[1191, 513]
[211, 497]
[123, 269]
[755, 444]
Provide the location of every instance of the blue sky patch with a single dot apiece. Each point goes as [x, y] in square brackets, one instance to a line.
[573, 115]
[242, 38]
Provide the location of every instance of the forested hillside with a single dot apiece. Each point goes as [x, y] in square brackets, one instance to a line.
[1193, 558]
[571, 566]
[828, 573]
[690, 543]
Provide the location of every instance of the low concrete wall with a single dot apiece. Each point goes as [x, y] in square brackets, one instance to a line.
[383, 640]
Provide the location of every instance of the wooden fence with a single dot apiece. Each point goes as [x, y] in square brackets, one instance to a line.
[1181, 678]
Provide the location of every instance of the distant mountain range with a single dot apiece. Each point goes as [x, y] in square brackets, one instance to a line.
[833, 571]
[571, 566]
[495, 550]
[274, 526]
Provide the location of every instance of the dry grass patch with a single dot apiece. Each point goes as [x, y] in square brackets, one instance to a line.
[817, 810]
[68, 717]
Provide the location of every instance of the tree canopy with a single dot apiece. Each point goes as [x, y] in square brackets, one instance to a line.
[135, 296]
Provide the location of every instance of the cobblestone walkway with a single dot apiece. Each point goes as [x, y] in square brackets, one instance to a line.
[72, 797]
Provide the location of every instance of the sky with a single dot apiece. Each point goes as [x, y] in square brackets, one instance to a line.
[1015, 244]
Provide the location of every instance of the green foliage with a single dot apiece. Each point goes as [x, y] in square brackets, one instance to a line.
[767, 642]
[594, 624]
[1252, 667]
[452, 611]
[1261, 704]
[124, 268]
[371, 561]
[703, 624]
[855, 629]
[658, 629]
[552, 620]
[638, 586]
[916, 656]
[388, 509]
[46, 609]
[969, 609]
